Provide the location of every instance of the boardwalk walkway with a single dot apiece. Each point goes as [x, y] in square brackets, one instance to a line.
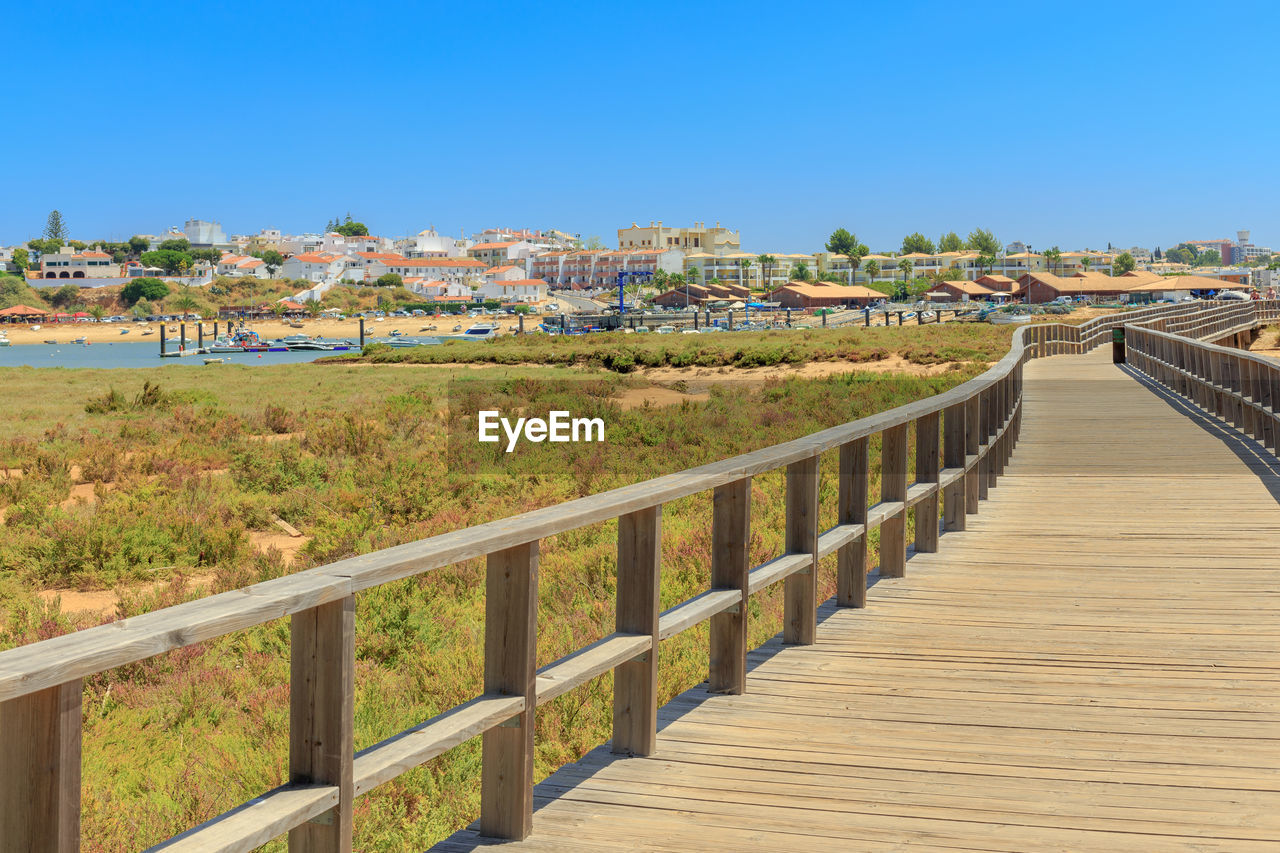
[1093, 665]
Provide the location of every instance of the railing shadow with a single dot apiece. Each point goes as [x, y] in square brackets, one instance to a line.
[1256, 458]
[600, 758]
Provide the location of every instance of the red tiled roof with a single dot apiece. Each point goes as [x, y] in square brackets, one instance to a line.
[439, 262]
[505, 245]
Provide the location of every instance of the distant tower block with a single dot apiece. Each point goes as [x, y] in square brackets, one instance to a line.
[1242, 237]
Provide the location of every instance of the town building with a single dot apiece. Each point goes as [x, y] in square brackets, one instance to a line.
[716, 240]
[429, 244]
[455, 270]
[962, 291]
[241, 265]
[514, 290]
[316, 266]
[501, 253]
[205, 235]
[68, 263]
[807, 295]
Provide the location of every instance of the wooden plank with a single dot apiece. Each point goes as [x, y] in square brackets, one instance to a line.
[595, 660]
[40, 770]
[730, 570]
[834, 538]
[413, 747]
[322, 662]
[635, 683]
[695, 611]
[928, 466]
[851, 512]
[256, 822]
[893, 488]
[973, 438]
[510, 651]
[800, 593]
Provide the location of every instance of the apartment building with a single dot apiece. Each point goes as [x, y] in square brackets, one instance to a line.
[453, 270]
[317, 266]
[716, 240]
[586, 268]
[502, 252]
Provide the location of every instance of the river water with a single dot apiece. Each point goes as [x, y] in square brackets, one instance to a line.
[107, 355]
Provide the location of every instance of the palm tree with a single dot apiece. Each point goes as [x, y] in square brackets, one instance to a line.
[278, 308]
[313, 307]
[800, 272]
[185, 304]
[766, 263]
[873, 270]
[97, 312]
[743, 280]
[1053, 256]
[1085, 262]
[907, 268]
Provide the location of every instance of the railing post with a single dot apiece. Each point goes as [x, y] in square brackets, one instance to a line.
[800, 608]
[635, 683]
[510, 650]
[40, 770]
[322, 663]
[972, 444]
[893, 487]
[851, 559]
[927, 469]
[953, 436]
[730, 569]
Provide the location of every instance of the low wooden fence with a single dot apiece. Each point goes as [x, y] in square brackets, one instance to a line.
[964, 438]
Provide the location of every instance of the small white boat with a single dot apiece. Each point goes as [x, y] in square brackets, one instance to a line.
[214, 360]
[1007, 319]
[148, 331]
[5, 342]
[35, 328]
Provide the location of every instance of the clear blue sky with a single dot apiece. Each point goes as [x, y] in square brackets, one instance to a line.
[1076, 123]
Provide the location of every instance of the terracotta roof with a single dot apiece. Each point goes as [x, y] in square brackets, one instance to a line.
[317, 257]
[380, 256]
[828, 290]
[506, 245]
[972, 288]
[520, 282]
[21, 311]
[496, 270]
[94, 255]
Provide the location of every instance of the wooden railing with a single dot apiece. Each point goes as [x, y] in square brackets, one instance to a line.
[964, 438]
[1237, 387]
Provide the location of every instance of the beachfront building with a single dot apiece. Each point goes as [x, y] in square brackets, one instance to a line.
[808, 295]
[699, 238]
[363, 265]
[961, 291]
[68, 263]
[587, 268]
[455, 270]
[439, 290]
[514, 290]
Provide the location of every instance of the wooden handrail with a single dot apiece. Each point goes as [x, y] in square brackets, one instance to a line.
[964, 438]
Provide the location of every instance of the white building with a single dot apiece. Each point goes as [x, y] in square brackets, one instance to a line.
[67, 263]
[241, 265]
[317, 267]
[517, 290]
[204, 235]
[457, 270]
[428, 244]
[501, 253]
[510, 272]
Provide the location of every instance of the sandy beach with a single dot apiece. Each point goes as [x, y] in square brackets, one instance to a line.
[20, 334]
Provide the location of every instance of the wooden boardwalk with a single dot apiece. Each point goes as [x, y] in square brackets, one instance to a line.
[1093, 665]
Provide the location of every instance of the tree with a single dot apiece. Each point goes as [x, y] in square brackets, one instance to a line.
[692, 274]
[1157, 254]
[389, 279]
[278, 308]
[178, 244]
[1053, 257]
[166, 259]
[907, 269]
[97, 312]
[744, 278]
[150, 289]
[986, 261]
[55, 228]
[873, 270]
[983, 241]
[184, 304]
[272, 260]
[21, 259]
[950, 242]
[44, 247]
[1209, 258]
[64, 296]
[1086, 262]
[593, 244]
[351, 228]
[138, 245]
[210, 255]
[313, 307]
[142, 308]
[800, 272]
[917, 242]
[766, 263]
[843, 243]
[661, 281]
[1123, 263]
